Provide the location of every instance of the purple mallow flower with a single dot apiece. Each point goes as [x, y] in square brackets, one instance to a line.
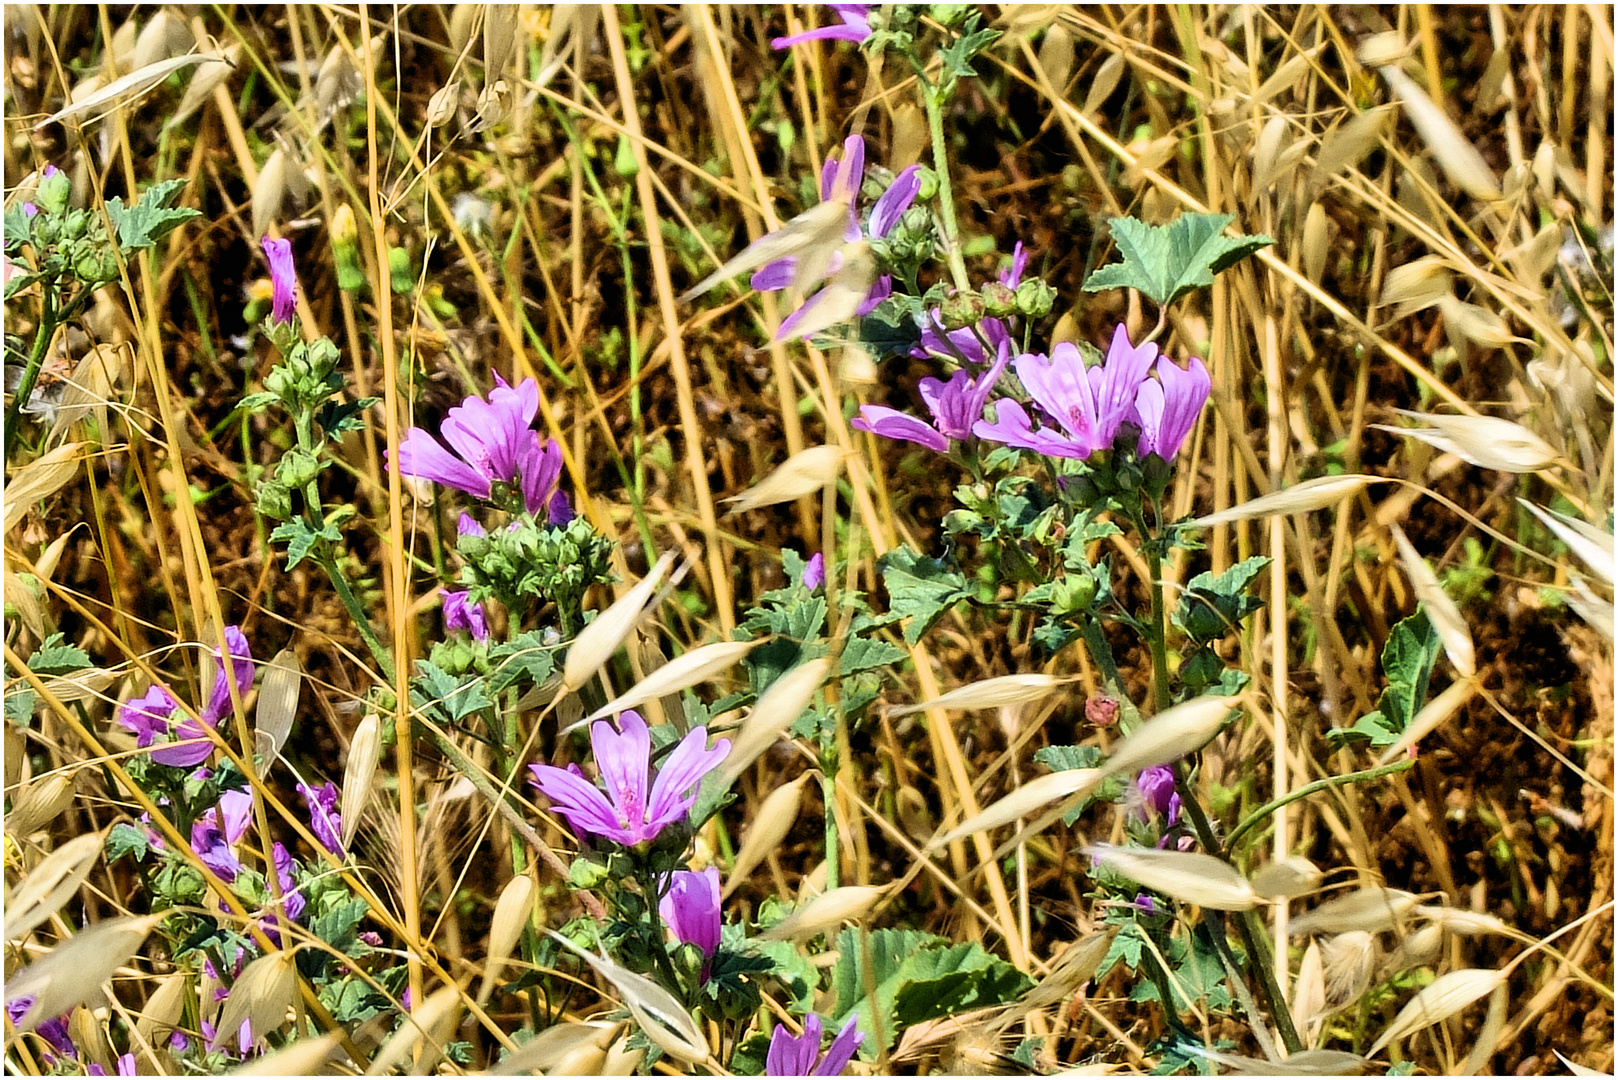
[151, 714]
[460, 613]
[324, 820]
[283, 278]
[691, 910]
[840, 180]
[219, 830]
[814, 572]
[291, 899]
[126, 1067]
[796, 1056]
[1157, 792]
[1166, 408]
[956, 405]
[635, 808]
[1087, 404]
[493, 443]
[855, 26]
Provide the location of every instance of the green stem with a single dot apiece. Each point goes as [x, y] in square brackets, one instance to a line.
[1273, 805]
[48, 322]
[933, 97]
[828, 796]
[1157, 634]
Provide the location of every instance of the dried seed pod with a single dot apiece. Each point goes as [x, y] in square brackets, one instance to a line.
[1368, 910]
[1315, 243]
[1444, 997]
[1416, 285]
[992, 693]
[698, 665]
[1188, 876]
[511, 914]
[598, 641]
[1441, 610]
[1041, 791]
[1476, 324]
[1345, 145]
[1105, 82]
[164, 1008]
[1308, 991]
[261, 996]
[774, 820]
[39, 479]
[38, 804]
[210, 75]
[1056, 56]
[51, 884]
[1290, 877]
[547, 1051]
[825, 912]
[91, 100]
[364, 753]
[1590, 544]
[163, 37]
[303, 1057]
[1486, 441]
[775, 712]
[1347, 961]
[277, 704]
[427, 1024]
[1298, 499]
[1452, 150]
[664, 1020]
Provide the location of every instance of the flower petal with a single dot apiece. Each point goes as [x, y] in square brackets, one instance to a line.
[422, 456]
[585, 808]
[774, 275]
[674, 790]
[893, 424]
[842, 1048]
[895, 201]
[624, 760]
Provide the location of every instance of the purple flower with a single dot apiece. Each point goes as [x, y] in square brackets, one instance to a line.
[150, 715]
[855, 26]
[493, 443]
[956, 405]
[559, 511]
[283, 278]
[965, 343]
[468, 526]
[635, 808]
[789, 1056]
[221, 828]
[55, 1033]
[840, 180]
[691, 908]
[1157, 792]
[126, 1067]
[1087, 404]
[1166, 409]
[324, 821]
[461, 614]
[814, 572]
[291, 899]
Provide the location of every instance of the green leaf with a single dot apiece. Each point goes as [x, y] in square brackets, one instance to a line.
[151, 219]
[920, 589]
[918, 977]
[958, 55]
[1407, 662]
[127, 839]
[523, 657]
[435, 688]
[55, 658]
[1166, 261]
[864, 654]
[300, 539]
[20, 707]
[1213, 604]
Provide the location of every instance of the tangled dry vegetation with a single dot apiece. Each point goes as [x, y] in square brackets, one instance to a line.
[1438, 182]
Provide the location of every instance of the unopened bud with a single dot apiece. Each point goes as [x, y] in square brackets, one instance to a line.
[998, 300]
[1101, 710]
[298, 467]
[1035, 298]
[961, 309]
[274, 501]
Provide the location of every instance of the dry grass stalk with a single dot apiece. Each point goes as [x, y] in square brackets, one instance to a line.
[1297, 499]
[557, 1046]
[305, 1057]
[120, 92]
[428, 1025]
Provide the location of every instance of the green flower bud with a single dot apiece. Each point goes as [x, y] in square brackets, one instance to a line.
[929, 187]
[688, 962]
[624, 162]
[998, 300]
[1077, 592]
[76, 224]
[47, 229]
[961, 309]
[274, 500]
[1035, 298]
[54, 189]
[94, 265]
[297, 468]
[585, 873]
[948, 15]
[400, 277]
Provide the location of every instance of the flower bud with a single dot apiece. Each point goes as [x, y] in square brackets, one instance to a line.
[298, 467]
[75, 225]
[961, 309]
[399, 275]
[689, 962]
[1076, 593]
[586, 873]
[999, 300]
[274, 501]
[1035, 298]
[54, 188]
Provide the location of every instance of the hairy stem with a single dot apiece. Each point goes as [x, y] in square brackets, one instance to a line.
[934, 97]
